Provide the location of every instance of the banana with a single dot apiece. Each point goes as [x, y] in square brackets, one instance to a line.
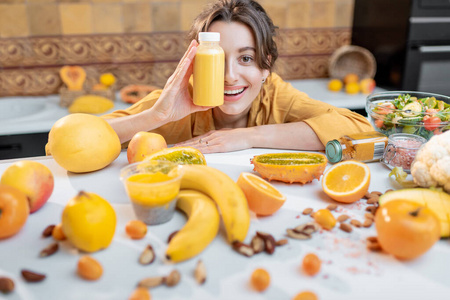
[199, 231]
[225, 192]
[438, 202]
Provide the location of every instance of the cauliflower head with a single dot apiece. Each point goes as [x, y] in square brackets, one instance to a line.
[431, 166]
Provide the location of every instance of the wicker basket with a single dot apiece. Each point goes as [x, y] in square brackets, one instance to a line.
[352, 59]
[67, 97]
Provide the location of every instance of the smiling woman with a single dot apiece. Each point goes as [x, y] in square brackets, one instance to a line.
[259, 109]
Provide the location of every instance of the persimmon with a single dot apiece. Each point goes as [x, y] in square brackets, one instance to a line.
[406, 229]
[14, 210]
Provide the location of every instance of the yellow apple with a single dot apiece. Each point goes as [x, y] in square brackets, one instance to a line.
[144, 143]
[34, 179]
[367, 85]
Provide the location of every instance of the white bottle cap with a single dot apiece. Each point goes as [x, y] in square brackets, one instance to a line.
[209, 37]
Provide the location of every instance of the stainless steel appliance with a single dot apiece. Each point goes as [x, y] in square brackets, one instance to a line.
[410, 40]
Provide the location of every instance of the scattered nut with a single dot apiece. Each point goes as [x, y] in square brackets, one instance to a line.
[269, 241]
[170, 237]
[366, 195]
[372, 200]
[173, 278]
[346, 227]
[369, 216]
[372, 243]
[376, 193]
[297, 235]
[342, 218]
[6, 285]
[332, 207]
[355, 223]
[367, 223]
[49, 250]
[258, 244]
[147, 256]
[31, 276]
[307, 211]
[372, 209]
[243, 249]
[151, 282]
[372, 239]
[281, 242]
[48, 231]
[200, 272]
[308, 228]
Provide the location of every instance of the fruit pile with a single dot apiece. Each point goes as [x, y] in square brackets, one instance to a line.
[352, 84]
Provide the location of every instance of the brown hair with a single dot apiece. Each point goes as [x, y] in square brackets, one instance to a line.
[247, 12]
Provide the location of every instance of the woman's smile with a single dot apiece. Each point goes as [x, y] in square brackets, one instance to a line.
[233, 94]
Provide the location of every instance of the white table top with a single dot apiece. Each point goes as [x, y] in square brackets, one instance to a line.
[349, 270]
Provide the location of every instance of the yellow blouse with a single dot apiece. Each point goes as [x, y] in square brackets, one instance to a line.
[277, 103]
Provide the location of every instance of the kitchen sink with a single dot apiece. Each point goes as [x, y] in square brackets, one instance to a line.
[13, 109]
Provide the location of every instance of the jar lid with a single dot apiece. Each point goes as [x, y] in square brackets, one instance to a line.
[333, 151]
[209, 36]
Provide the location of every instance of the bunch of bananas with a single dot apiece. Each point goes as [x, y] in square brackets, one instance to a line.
[202, 188]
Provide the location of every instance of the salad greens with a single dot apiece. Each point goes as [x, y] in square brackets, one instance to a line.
[421, 116]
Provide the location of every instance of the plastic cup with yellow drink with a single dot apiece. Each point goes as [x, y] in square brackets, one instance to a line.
[152, 187]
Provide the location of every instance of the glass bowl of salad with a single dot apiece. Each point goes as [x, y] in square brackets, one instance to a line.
[419, 113]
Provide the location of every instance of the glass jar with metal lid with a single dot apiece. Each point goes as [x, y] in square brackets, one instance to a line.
[364, 146]
[401, 150]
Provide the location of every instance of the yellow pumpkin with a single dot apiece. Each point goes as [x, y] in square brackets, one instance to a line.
[89, 222]
[83, 143]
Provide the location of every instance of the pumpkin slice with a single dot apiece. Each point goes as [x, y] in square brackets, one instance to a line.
[302, 167]
[73, 77]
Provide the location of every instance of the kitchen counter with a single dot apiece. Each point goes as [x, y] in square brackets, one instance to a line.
[349, 270]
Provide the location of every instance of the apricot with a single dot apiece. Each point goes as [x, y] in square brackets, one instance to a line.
[367, 85]
[14, 210]
[144, 143]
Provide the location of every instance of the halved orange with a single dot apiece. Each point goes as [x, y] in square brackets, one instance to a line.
[179, 155]
[262, 197]
[300, 167]
[346, 181]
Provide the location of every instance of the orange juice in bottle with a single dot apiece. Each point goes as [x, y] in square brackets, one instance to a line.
[209, 69]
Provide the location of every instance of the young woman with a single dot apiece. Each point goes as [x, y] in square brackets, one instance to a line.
[259, 110]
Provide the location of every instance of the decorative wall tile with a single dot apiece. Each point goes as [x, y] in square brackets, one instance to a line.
[76, 18]
[30, 66]
[166, 16]
[298, 14]
[13, 20]
[322, 13]
[137, 17]
[107, 18]
[44, 19]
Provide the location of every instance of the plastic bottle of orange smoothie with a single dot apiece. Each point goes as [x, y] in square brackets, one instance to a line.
[209, 69]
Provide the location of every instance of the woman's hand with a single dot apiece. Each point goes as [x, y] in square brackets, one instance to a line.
[223, 140]
[175, 101]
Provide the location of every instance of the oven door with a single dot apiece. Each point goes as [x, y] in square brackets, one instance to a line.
[427, 69]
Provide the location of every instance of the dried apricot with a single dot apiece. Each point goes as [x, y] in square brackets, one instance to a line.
[306, 295]
[58, 233]
[140, 293]
[325, 219]
[136, 229]
[311, 264]
[260, 279]
[89, 268]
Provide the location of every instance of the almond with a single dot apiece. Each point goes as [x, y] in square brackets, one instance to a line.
[151, 282]
[346, 227]
[31, 276]
[48, 231]
[332, 207]
[49, 250]
[173, 278]
[281, 242]
[200, 272]
[6, 285]
[307, 211]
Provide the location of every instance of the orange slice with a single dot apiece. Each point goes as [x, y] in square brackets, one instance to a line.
[262, 197]
[179, 155]
[346, 181]
[300, 167]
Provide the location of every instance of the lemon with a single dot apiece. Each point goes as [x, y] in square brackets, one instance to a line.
[107, 79]
[352, 88]
[335, 85]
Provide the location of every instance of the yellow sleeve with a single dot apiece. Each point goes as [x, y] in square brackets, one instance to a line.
[143, 104]
[281, 103]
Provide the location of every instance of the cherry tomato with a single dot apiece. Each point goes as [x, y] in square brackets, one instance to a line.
[379, 123]
[406, 229]
[432, 123]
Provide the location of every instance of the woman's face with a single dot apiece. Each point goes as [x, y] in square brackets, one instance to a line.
[243, 77]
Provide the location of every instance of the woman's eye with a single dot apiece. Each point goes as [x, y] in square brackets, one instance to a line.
[246, 59]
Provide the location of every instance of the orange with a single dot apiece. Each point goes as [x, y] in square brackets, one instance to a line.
[352, 88]
[262, 197]
[14, 210]
[302, 167]
[346, 181]
[335, 85]
[351, 78]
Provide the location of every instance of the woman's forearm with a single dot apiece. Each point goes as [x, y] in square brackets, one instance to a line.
[126, 127]
[295, 136]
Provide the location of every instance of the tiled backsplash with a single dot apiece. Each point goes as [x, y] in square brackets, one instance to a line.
[141, 41]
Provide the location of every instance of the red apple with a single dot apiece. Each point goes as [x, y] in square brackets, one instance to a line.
[144, 143]
[34, 179]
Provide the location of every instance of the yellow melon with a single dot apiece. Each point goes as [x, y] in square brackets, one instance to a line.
[83, 143]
